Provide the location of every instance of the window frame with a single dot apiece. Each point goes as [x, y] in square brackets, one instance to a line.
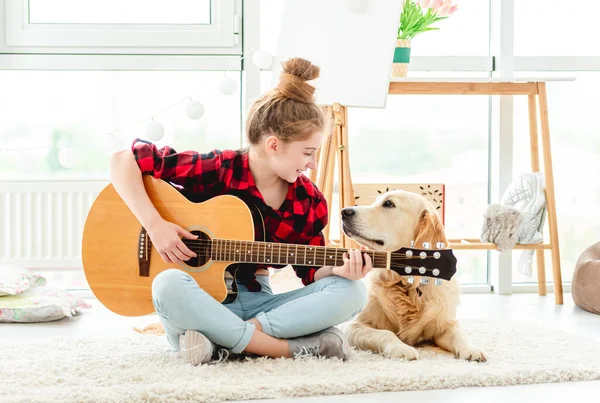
[222, 36]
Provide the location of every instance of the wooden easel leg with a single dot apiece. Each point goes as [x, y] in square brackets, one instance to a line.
[323, 157]
[345, 180]
[325, 172]
[535, 167]
[551, 203]
[335, 144]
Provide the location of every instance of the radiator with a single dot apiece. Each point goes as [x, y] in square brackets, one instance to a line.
[41, 222]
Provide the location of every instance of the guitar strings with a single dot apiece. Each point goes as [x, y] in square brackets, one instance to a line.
[381, 262]
[209, 245]
[229, 242]
[222, 249]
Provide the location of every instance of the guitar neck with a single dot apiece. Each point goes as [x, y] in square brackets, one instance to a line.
[227, 250]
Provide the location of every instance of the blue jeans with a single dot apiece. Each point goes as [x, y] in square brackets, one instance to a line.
[181, 305]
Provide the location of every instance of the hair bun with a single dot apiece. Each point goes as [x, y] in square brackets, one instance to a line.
[293, 80]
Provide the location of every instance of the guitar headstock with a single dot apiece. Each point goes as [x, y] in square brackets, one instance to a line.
[439, 263]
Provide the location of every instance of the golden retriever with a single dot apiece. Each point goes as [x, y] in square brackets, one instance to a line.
[399, 315]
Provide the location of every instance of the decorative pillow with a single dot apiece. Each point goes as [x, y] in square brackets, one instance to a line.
[501, 225]
[15, 280]
[585, 287]
[42, 304]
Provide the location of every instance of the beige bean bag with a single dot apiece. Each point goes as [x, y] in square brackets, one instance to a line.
[585, 288]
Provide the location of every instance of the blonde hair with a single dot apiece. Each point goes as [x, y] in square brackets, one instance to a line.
[288, 110]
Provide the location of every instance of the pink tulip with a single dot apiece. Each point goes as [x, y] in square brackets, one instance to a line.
[424, 3]
[452, 9]
[435, 4]
[444, 10]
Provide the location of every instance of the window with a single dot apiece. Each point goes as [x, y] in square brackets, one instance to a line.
[556, 28]
[466, 33]
[63, 108]
[181, 26]
[119, 12]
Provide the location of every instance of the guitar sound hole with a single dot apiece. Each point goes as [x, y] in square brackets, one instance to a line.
[201, 246]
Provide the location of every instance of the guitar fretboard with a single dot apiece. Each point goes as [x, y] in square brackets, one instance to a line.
[227, 250]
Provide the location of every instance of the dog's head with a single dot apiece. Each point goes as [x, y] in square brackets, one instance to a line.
[394, 220]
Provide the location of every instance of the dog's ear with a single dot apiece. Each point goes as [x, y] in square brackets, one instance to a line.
[429, 228]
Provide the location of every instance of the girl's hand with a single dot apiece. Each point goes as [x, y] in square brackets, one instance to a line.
[166, 238]
[353, 268]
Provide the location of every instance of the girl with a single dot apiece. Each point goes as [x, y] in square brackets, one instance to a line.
[284, 128]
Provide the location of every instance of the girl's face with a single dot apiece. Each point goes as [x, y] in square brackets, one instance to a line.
[290, 160]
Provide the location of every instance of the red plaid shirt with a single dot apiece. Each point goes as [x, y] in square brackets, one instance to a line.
[300, 220]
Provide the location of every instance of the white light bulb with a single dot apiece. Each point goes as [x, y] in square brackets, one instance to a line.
[155, 130]
[262, 59]
[227, 85]
[68, 158]
[194, 110]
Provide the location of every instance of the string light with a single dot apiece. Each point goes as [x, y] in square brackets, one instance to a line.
[262, 59]
[155, 130]
[194, 109]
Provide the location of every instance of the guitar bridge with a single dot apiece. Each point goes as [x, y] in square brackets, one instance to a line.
[144, 253]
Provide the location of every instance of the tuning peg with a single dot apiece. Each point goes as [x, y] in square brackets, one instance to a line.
[408, 269]
[410, 280]
[409, 253]
[438, 281]
[424, 280]
[436, 255]
[423, 255]
[412, 244]
[436, 272]
[440, 245]
[422, 270]
[426, 245]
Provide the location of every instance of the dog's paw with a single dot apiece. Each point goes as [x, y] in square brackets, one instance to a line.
[470, 353]
[401, 350]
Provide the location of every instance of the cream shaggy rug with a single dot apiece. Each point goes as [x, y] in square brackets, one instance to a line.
[142, 368]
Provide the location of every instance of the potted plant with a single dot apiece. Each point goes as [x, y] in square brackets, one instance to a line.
[417, 16]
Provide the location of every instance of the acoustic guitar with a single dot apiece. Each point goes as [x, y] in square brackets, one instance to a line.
[120, 261]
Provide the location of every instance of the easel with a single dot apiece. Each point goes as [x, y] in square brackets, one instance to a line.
[335, 144]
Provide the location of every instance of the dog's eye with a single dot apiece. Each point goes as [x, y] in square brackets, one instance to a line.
[388, 203]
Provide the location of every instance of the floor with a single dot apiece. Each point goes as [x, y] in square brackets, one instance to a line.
[530, 307]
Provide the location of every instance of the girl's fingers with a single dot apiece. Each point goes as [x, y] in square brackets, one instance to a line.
[368, 264]
[357, 262]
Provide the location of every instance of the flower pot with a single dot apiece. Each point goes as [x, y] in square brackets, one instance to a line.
[401, 58]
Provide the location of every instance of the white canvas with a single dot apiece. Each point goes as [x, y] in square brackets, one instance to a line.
[354, 49]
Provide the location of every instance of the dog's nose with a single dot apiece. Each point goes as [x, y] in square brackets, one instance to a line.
[347, 212]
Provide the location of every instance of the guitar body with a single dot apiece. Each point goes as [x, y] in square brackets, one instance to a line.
[112, 245]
